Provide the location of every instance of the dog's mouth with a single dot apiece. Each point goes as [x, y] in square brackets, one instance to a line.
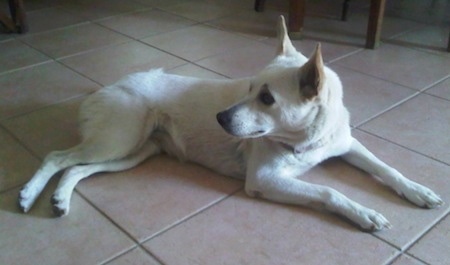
[237, 133]
[257, 133]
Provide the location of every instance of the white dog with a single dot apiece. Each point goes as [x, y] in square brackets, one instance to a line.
[281, 122]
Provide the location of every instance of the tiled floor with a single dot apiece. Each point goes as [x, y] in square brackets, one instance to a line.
[164, 212]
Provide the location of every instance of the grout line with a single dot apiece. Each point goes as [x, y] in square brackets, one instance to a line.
[125, 252]
[393, 259]
[163, 230]
[102, 213]
[50, 60]
[126, 13]
[151, 254]
[62, 101]
[402, 146]
[408, 246]
[190, 216]
[416, 258]
[118, 254]
[426, 231]
[345, 56]
[398, 103]
[129, 40]
[423, 90]
[35, 155]
[373, 76]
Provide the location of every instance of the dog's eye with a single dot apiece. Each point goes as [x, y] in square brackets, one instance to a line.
[266, 98]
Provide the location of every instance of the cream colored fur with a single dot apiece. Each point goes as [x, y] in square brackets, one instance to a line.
[267, 130]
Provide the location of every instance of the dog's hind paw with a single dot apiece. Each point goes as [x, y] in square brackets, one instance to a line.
[422, 196]
[27, 197]
[60, 206]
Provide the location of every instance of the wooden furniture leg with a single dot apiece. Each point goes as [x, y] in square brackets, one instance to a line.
[448, 43]
[345, 10]
[296, 17]
[17, 22]
[259, 5]
[375, 22]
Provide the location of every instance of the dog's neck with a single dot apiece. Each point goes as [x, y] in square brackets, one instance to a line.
[303, 148]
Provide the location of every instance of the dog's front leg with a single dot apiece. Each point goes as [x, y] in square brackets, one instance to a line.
[269, 180]
[420, 195]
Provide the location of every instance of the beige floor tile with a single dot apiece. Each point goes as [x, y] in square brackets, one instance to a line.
[251, 24]
[434, 248]
[37, 238]
[407, 260]
[424, 11]
[195, 71]
[185, 206]
[365, 96]
[198, 42]
[241, 230]
[32, 5]
[134, 257]
[16, 164]
[409, 221]
[48, 129]
[98, 9]
[38, 86]
[162, 3]
[156, 195]
[6, 36]
[234, 4]
[73, 40]
[143, 24]
[420, 124]
[51, 18]
[353, 31]
[108, 65]
[331, 29]
[441, 89]
[428, 38]
[15, 55]
[199, 10]
[330, 51]
[243, 62]
[393, 63]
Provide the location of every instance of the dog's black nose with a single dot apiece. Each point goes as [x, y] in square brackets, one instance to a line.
[223, 118]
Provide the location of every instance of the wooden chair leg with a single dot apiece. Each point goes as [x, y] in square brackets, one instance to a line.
[448, 43]
[259, 5]
[296, 17]
[375, 22]
[7, 22]
[345, 10]
[18, 21]
[18, 15]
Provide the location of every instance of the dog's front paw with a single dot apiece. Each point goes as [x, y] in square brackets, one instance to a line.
[60, 205]
[371, 220]
[421, 196]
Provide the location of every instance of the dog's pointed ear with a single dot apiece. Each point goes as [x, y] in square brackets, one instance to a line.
[285, 46]
[311, 75]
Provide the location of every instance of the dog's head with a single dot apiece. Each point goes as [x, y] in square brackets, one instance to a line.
[283, 99]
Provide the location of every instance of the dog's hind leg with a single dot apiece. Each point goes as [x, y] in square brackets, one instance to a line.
[53, 163]
[63, 193]
[362, 158]
[114, 124]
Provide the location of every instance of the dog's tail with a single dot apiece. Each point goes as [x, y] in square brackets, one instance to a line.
[285, 45]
